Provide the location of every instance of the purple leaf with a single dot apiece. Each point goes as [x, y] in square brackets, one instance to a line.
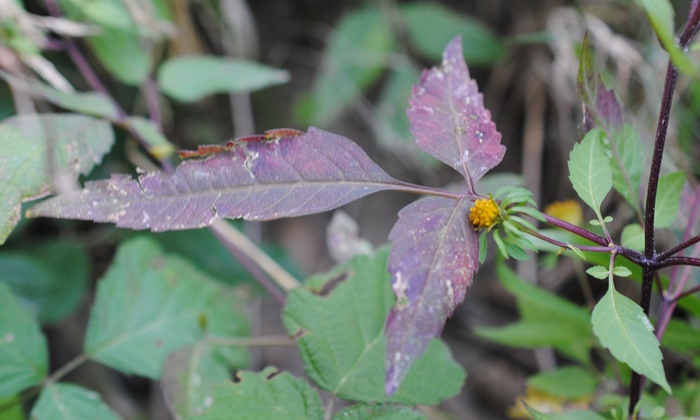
[449, 120]
[257, 180]
[434, 256]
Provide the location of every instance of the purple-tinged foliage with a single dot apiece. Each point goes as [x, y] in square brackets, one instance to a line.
[434, 256]
[449, 121]
[263, 180]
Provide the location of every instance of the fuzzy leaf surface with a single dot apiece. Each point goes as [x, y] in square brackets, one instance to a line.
[260, 180]
[589, 170]
[449, 121]
[265, 395]
[138, 319]
[24, 357]
[343, 344]
[434, 256]
[71, 402]
[623, 328]
[77, 143]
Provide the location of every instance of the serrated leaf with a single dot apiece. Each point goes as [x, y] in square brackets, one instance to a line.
[622, 271]
[598, 272]
[434, 256]
[156, 143]
[343, 345]
[483, 46]
[632, 237]
[189, 377]
[378, 412]
[136, 321]
[265, 395]
[623, 328]
[355, 57]
[626, 161]
[49, 278]
[589, 170]
[91, 103]
[23, 354]
[77, 143]
[566, 382]
[264, 180]
[189, 79]
[71, 402]
[449, 120]
[668, 199]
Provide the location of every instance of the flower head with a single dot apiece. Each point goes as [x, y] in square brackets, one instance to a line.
[483, 213]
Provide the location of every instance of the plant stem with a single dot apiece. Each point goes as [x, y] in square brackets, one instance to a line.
[576, 230]
[65, 369]
[678, 248]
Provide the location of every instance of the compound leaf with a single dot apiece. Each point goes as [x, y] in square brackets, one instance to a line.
[76, 143]
[23, 355]
[623, 328]
[71, 402]
[189, 79]
[434, 256]
[589, 170]
[137, 320]
[449, 121]
[265, 395]
[258, 180]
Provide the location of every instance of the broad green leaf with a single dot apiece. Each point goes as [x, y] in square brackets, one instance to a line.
[122, 54]
[660, 15]
[49, 278]
[626, 161]
[189, 377]
[668, 198]
[431, 26]
[343, 345]
[547, 320]
[189, 79]
[623, 328]
[70, 402]
[598, 272]
[589, 170]
[77, 144]
[149, 303]
[354, 59]
[378, 412]
[566, 382]
[23, 355]
[682, 337]
[158, 146]
[633, 237]
[91, 103]
[265, 395]
[106, 13]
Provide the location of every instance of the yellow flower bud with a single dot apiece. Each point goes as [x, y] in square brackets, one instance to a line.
[483, 213]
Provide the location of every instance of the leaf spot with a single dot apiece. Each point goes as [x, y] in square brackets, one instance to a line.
[646, 322]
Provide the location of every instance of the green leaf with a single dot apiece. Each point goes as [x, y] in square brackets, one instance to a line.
[355, 57]
[77, 144]
[189, 377]
[106, 13]
[668, 198]
[150, 303]
[11, 408]
[682, 337]
[265, 395]
[91, 103]
[189, 79]
[590, 172]
[547, 320]
[49, 278]
[623, 328]
[598, 272]
[157, 145]
[431, 26]
[122, 54]
[568, 415]
[566, 382]
[343, 345]
[627, 162]
[483, 246]
[633, 237]
[622, 271]
[71, 402]
[23, 355]
[378, 412]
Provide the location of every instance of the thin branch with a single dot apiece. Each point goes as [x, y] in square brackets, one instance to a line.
[688, 292]
[671, 261]
[576, 230]
[67, 368]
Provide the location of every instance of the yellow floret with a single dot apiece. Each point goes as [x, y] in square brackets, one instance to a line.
[483, 213]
